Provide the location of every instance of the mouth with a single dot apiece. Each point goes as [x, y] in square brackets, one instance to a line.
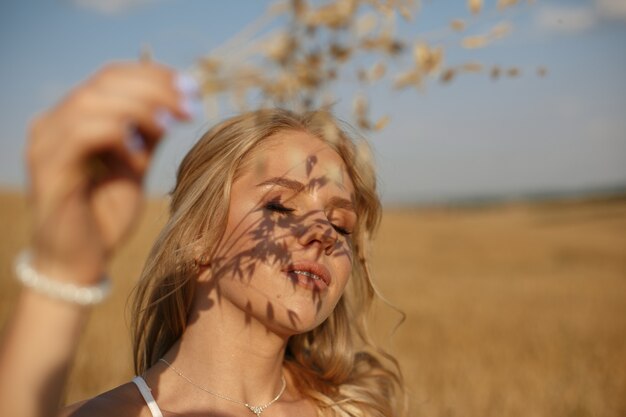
[309, 274]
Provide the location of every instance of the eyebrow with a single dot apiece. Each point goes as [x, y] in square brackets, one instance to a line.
[341, 203]
[297, 186]
[294, 185]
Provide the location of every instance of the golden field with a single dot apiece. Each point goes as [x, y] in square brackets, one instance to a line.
[514, 309]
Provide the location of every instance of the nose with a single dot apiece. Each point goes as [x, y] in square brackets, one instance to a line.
[319, 232]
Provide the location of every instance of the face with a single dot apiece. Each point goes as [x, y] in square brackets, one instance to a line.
[286, 254]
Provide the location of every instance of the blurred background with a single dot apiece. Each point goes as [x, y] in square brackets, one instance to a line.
[504, 236]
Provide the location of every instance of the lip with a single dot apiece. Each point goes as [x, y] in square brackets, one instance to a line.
[313, 268]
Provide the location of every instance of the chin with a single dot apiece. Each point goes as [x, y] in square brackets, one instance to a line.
[300, 317]
[295, 311]
[286, 310]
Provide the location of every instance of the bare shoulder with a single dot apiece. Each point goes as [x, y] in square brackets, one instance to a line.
[124, 400]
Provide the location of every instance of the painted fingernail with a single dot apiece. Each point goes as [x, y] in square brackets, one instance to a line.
[164, 119]
[135, 142]
[190, 106]
[186, 85]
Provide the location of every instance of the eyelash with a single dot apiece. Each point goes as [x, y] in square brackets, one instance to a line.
[341, 230]
[279, 208]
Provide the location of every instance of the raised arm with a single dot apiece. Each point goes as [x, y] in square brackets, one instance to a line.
[86, 160]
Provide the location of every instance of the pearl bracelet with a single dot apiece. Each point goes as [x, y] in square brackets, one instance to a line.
[71, 293]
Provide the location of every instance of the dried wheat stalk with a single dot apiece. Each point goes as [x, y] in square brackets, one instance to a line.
[296, 65]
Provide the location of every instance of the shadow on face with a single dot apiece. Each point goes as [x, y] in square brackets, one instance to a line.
[286, 254]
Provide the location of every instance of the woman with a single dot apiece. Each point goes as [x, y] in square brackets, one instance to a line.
[253, 299]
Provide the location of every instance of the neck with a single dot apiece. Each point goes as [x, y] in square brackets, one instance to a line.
[228, 352]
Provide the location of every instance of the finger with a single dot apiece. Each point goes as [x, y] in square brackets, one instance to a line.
[157, 85]
[150, 107]
[98, 136]
[151, 119]
[91, 147]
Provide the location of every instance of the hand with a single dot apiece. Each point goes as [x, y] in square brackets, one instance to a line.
[87, 158]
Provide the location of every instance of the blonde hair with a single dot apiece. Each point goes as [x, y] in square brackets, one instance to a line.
[336, 364]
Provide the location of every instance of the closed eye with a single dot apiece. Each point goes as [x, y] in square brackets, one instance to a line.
[341, 230]
[277, 207]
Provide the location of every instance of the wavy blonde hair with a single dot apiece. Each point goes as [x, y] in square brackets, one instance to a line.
[336, 365]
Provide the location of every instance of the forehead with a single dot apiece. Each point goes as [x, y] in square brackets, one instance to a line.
[303, 157]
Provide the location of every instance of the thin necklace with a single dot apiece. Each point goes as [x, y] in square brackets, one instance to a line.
[256, 409]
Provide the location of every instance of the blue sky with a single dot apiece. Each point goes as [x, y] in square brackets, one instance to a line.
[473, 137]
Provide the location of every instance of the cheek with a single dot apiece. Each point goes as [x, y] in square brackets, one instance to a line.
[343, 268]
[252, 238]
[344, 254]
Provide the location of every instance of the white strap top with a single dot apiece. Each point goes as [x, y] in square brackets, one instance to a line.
[146, 393]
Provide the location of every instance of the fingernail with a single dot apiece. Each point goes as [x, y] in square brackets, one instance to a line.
[135, 142]
[186, 85]
[164, 119]
[190, 106]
